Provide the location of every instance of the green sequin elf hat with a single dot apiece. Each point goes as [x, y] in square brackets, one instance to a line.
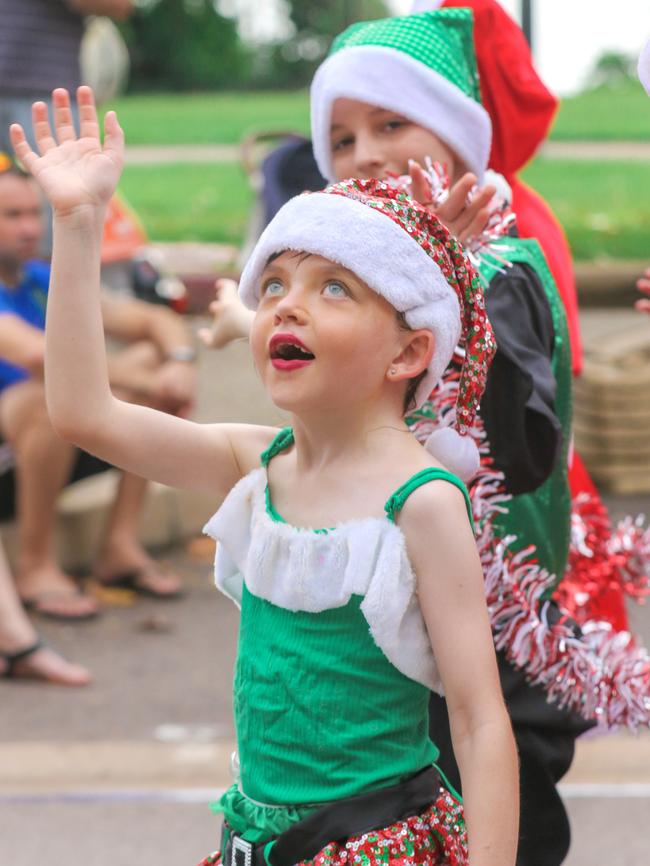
[405, 254]
[421, 66]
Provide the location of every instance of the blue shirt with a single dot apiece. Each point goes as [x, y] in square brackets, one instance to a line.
[28, 301]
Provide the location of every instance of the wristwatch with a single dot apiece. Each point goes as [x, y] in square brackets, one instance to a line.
[186, 354]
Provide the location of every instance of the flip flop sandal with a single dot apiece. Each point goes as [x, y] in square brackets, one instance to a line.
[12, 659]
[132, 580]
[38, 604]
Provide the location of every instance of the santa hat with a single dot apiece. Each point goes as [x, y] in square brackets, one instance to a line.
[644, 67]
[402, 252]
[421, 66]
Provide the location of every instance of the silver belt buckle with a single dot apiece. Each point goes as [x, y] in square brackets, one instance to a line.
[241, 852]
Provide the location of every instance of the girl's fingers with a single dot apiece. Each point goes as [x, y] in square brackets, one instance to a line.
[420, 185]
[63, 123]
[88, 125]
[21, 147]
[642, 306]
[476, 226]
[643, 285]
[113, 138]
[42, 132]
[457, 201]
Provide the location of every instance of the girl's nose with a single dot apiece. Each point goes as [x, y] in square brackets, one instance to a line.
[291, 307]
[368, 157]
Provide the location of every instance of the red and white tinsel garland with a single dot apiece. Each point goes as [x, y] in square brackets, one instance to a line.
[594, 670]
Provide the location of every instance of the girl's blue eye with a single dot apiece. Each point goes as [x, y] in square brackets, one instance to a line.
[273, 288]
[335, 290]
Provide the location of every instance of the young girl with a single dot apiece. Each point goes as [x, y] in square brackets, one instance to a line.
[361, 297]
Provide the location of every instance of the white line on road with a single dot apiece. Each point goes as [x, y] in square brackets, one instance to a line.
[605, 790]
[570, 791]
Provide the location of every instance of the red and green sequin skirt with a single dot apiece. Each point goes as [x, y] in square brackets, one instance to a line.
[435, 837]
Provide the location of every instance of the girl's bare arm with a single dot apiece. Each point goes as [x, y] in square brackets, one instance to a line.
[78, 176]
[451, 593]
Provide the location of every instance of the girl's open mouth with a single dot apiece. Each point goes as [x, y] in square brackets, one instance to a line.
[288, 352]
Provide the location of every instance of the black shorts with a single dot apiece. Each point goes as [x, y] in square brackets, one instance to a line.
[84, 466]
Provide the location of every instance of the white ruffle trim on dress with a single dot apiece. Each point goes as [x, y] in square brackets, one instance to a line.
[302, 570]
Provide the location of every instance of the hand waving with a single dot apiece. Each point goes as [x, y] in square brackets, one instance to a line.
[464, 214]
[75, 173]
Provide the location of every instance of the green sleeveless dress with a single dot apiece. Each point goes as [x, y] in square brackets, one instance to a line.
[334, 666]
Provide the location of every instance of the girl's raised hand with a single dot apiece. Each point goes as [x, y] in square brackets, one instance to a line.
[75, 173]
[465, 217]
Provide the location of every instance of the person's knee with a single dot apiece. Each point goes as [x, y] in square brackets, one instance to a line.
[22, 409]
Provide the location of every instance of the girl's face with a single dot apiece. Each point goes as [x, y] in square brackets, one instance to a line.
[321, 339]
[371, 142]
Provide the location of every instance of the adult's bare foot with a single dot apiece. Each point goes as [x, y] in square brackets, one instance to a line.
[39, 662]
[131, 567]
[47, 590]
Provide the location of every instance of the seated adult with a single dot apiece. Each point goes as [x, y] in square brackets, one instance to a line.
[156, 368]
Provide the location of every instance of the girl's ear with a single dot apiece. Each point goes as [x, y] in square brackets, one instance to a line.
[414, 357]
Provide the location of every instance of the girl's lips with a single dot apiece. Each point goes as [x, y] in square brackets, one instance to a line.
[288, 352]
[282, 364]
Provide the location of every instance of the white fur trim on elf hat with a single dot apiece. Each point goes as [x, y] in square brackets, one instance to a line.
[644, 67]
[393, 80]
[378, 251]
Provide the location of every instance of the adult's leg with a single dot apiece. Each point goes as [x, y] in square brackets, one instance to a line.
[122, 554]
[43, 465]
[17, 634]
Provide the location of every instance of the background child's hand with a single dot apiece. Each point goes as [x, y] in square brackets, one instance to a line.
[464, 217]
[643, 285]
[73, 172]
[232, 320]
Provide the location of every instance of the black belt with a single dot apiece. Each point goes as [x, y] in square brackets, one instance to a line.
[335, 822]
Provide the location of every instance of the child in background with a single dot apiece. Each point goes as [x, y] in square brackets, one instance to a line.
[360, 296]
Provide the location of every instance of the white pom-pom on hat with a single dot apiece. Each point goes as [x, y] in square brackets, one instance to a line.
[644, 67]
[457, 453]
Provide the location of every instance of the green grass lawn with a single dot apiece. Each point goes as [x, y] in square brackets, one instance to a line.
[602, 207]
[190, 202]
[621, 112]
[209, 118]
[605, 114]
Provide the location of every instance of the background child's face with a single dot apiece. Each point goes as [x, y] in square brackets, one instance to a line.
[347, 335]
[370, 142]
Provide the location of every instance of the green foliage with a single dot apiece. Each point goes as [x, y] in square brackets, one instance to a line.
[184, 45]
[315, 24]
[611, 68]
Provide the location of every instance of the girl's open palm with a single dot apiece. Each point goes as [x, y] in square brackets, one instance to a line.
[74, 172]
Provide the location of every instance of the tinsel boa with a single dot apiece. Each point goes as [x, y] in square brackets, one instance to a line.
[592, 669]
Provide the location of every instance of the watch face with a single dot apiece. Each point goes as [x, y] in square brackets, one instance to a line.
[182, 353]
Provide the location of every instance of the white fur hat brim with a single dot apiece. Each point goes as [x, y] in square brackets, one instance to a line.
[379, 252]
[391, 79]
[644, 67]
